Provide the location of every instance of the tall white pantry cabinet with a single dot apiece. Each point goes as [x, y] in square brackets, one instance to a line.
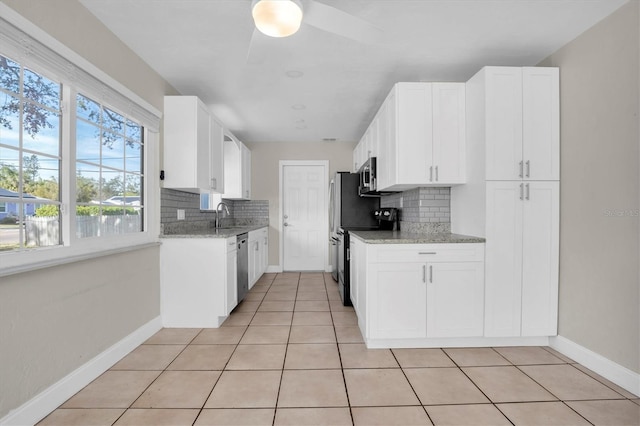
[512, 195]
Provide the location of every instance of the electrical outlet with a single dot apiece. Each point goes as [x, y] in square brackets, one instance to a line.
[180, 214]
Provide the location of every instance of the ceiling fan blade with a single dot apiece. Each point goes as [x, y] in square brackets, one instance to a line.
[336, 21]
[256, 53]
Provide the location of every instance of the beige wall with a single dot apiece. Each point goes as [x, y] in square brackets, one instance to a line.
[265, 158]
[54, 320]
[73, 25]
[599, 277]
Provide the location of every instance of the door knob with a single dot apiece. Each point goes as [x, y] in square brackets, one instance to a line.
[286, 217]
[286, 224]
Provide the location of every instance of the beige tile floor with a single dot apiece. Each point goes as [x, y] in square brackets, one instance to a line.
[291, 354]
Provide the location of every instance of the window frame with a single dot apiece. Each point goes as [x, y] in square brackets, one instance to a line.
[34, 49]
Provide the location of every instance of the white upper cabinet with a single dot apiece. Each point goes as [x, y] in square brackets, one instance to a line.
[413, 140]
[522, 123]
[216, 156]
[449, 132]
[541, 123]
[192, 146]
[237, 170]
[418, 136]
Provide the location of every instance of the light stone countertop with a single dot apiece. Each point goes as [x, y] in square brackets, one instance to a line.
[399, 237]
[213, 233]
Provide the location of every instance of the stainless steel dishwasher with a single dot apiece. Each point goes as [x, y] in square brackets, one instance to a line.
[243, 266]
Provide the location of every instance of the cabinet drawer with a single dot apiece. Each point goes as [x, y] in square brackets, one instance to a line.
[258, 234]
[393, 253]
[231, 244]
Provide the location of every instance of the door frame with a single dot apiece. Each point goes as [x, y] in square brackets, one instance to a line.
[325, 217]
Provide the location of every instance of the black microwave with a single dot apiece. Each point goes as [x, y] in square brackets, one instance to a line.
[367, 174]
[368, 180]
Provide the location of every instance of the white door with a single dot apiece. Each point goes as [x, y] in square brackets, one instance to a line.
[414, 134]
[504, 122]
[455, 294]
[304, 216]
[398, 300]
[503, 259]
[540, 259]
[541, 123]
[448, 132]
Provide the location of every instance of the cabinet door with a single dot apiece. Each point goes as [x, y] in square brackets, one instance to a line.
[383, 141]
[246, 172]
[254, 261]
[216, 159]
[540, 259]
[390, 145]
[232, 281]
[354, 272]
[541, 123]
[503, 278]
[264, 255]
[455, 299]
[397, 300]
[204, 148]
[414, 133]
[448, 132]
[503, 122]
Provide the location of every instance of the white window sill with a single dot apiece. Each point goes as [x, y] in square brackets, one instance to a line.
[64, 255]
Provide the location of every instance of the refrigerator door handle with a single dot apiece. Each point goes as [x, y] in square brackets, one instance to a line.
[331, 205]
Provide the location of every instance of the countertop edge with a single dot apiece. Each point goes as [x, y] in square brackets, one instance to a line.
[397, 237]
[212, 233]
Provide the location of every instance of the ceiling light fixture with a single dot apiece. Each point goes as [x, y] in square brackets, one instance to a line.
[277, 18]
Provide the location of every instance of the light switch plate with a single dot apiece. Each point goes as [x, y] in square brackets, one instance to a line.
[180, 214]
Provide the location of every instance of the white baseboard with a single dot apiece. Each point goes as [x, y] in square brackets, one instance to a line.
[278, 269]
[608, 369]
[38, 407]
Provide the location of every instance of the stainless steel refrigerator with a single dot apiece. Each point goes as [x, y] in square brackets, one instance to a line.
[347, 211]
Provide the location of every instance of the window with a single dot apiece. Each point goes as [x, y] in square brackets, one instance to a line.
[30, 146]
[78, 159]
[109, 171]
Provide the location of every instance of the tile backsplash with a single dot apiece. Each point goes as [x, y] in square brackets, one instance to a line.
[422, 209]
[242, 212]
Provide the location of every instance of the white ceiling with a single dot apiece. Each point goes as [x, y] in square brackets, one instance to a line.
[202, 47]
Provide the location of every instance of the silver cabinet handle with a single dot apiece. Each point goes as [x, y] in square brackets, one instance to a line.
[528, 192]
[431, 174]
[424, 273]
[520, 169]
[286, 217]
[528, 168]
[521, 190]
[431, 273]
[427, 252]
[214, 183]
[286, 224]
[436, 173]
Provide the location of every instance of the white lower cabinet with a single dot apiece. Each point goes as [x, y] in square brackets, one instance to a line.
[522, 258]
[455, 294]
[418, 291]
[197, 281]
[231, 291]
[258, 254]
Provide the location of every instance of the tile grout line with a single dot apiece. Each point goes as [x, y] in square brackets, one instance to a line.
[344, 378]
[476, 385]
[286, 350]
[224, 368]
[411, 386]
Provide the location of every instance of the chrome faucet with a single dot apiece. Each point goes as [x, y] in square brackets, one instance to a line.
[226, 209]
